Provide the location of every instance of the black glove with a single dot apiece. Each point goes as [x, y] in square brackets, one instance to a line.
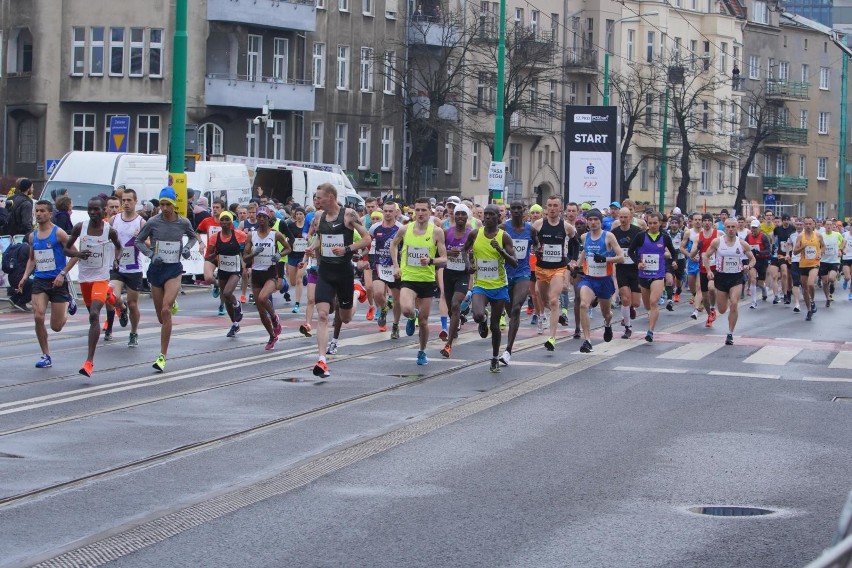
[600, 257]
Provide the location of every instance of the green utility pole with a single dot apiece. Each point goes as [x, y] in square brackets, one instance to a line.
[664, 162]
[841, 177]
[501, 97]
[177, 142]
[606, 79]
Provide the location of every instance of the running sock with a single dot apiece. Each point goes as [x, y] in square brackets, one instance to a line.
[669, 292]
[444, 320]
[322, 358]
[625, 313]
[110, 317]
[753, 288]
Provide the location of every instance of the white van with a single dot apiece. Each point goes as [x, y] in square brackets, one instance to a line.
[283, 182]
[220, 180]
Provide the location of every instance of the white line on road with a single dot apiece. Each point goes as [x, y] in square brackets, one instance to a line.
[651, 370]
[691, 351]
[842, 360]
[740, 374]
[827, 379]
[771, 355]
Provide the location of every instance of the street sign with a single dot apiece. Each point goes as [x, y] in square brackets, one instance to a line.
[496, 180]
[49, 166]
[119, 130]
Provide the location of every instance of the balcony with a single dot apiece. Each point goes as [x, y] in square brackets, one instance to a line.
[533, 122]
[238, 91]
[282, 14]
[786, 90]
[581, 60]
[421, 109]
[534, 47]
[786, 184]
[433, 31]
[785, 136]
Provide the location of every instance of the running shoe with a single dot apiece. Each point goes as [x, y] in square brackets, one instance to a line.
[235, 327]
[390, 302]
[123, 318]
[44, 363]
[251, 299]
[505, 358]
[383, 318]
[443, 336]
[828, 303]
[108, 335]
[850, 296]
[175, 308]
[371, 313]
[332, 347]
[809, 316]
[541, 322]
[133, 340]
[238, 312]
[661, 301]
[503, 321]
[632, 313]
[776, 300]
[708, 323]
[305, 329]
[577, 333]
[86, 369]
[106, 325]
[72, 304]
[586, 347]
[483, 329]
[529, 310]
[276, 326]
[421, 358]
[495, 366]
[729, 339]
[752, 306]
[763, 294]
[409, 325]
[627, 333]
[221, 309]
[534, 318]
[607, 336]
[797, 309]
[270, 345]
[712, 315]
[362, 292]
[694, 314]
[446, 351]
[395, 331]
[243, 299]
[813, 307]
[550, 344]
[160, 364]
[677, 298]
[214, 290]
[321, 370]
[649, 337]
[563, 319]
[670, 306]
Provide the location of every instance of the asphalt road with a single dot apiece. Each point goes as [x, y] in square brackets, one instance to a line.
[240, 457]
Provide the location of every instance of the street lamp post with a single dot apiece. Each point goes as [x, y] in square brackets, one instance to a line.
[606, 52]
[177, 142]
[501, 78]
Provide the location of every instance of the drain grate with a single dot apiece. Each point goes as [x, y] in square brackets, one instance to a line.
[731, 511]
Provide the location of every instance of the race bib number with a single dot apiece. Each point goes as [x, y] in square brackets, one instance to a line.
[264, 255]
[782, 246]
[596, 269]
[455, 263]
[212, 230]
[551, 253]
[300, 245]
[415, 254]
[45, 261]
[831, 247]
[127, 257]
[229, 263]
[96, 259]
[385, 273]
[848, 248]
[652, 262]
[810, 253]
[168, 250]
[328, 242]
[520, 246]
[732, 265]
[487, 269]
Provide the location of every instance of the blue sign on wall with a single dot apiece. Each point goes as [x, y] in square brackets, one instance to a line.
[119, 131]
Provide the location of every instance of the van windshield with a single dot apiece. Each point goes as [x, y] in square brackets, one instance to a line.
[80, 192]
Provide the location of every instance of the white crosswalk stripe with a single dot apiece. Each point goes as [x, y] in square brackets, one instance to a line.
[771, 355]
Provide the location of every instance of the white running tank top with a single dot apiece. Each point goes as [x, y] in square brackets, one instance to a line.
[95, 268]
[729, 258]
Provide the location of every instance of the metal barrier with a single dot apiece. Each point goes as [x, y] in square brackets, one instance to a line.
[839, 555]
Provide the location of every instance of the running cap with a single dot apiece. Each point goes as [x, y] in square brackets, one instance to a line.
[264, 210]
[461, 208]
[536, 208]
[226, 214]
[755, 223]
[454, 199]
[168, 195]
[596, 213]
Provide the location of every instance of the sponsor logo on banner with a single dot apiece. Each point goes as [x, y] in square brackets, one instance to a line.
[584, 118]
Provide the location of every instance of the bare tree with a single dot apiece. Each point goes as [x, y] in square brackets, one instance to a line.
[758, 116]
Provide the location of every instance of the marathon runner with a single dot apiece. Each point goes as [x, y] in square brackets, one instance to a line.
[627, 272]
[811, 248]
[781, 236]
[456, 273]
[225, 251]
[208, 227]
[298, 246]
[706, 235]
[129, 274]
[524, 240]
[383, 234]
[793, 261]
[847, 261]
[829, 263]
[760, 247]
[648, 251]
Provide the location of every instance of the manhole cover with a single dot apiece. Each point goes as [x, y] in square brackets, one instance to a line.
[731, 511]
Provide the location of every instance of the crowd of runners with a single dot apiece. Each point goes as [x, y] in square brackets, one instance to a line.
[557, 262]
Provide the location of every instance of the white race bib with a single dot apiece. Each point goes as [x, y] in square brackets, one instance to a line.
[330, 241]
[732, 265]
[810, 253]
[596, 269]
[127, 257]
[96, 258]
[229, 263]
[520, 246]
[300, 245]
[212, 230]
[487, 269]
[415, 254]
[455, 263]
[168, 250]
[385, 273]
[652, 262]
[45, 261]
[831, 246]
[551, 253]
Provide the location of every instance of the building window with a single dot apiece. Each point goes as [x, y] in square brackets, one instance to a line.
[367, 8]
[155, 52]
[705, 175]
[320, 4]
[806, 74]
[389, 62]
[343, 67]
[83, 132]
[96, 51]
[820, 209]
[315, 153]
[649, 48]
[280, 59]
[343, 5]
[588, 94]
[252, 150]
[137, 52]
[448, 154]
[211, 140]
[515, 161]
[781, 165]
[723, 58]
[803, 118]
[803, 166]
[720, 177]
[732, 167]
[610, 29]
[533, 95]
[116, 52]
[390, 9]
[363, 147]
[552, 95]
[148, 134]
[474, 160]
[824, 77]
[761, 14]
[822, 122]
[319, 65]
[78, 51]
[279, 127]
[822, 168]
[631, 44]
[649, 109]
[366, 69]
[387, 148]
[706, 56]
[753, 67]
[28, 141]
[340, 131]
[783, 71]
[254, 58]
[705, 114]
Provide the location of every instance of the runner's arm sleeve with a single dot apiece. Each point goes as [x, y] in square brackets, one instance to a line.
[143, 235]
[633, 250]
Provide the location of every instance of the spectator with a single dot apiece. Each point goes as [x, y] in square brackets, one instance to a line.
[200, 211]
[62, 213]
[21, 209]
[14, 265]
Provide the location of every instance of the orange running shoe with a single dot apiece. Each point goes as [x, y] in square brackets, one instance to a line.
[87, 369]
[371, 313]
[362, 292]
[321, 370]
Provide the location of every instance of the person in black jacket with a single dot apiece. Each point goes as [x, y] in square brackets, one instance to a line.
[21, 209]
[62, 213]
[14, 264]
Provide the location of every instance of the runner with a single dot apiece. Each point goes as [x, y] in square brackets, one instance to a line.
[225, 250]
[208, 227]
[370, 205]
[674, 266]
[129, 274]
[648, 251]
[382, 234]
[689, 243]
[829, 263]
[781, 236]
[335, 277]
[492, 249]
[96, 261]
[49, 267]
[298, 244]
[600, 252]
[811, 248]
[535, 308]
[627, 273]
[729, 250]
[456, 273]
[761, 249]
[422, 247]
[847, 261]
[524, 240]
[708, 294]
[165, 231]
[793, 261]
[263, 251]
[551, 268]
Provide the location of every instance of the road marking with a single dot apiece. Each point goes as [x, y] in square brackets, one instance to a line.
[691, 351]
[770, 355]
[740, 374]
[843, 360]
[652, 370]
[827, 379]
[532, 364]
